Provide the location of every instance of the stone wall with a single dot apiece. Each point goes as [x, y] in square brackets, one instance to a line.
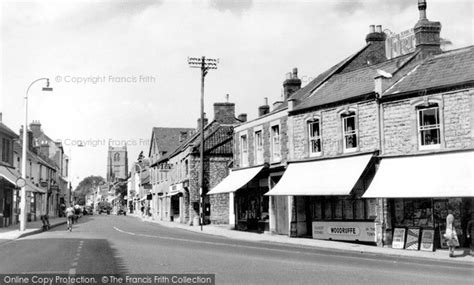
[331, 130]
[400, 125]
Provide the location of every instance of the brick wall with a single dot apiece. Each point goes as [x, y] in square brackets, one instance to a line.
[331, 130]
[401, 127]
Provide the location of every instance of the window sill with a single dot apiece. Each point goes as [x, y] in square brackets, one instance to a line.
[429, 147]
[350, 150]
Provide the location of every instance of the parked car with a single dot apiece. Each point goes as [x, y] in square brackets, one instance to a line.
[88, 210]
[104, 207]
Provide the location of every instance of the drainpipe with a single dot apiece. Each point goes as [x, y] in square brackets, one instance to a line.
[379, 83]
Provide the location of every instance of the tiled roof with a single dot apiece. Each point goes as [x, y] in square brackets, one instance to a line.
[446, 69]
[218, 142]
[7, 130]
[351, 84]
[167, 139]
[306, 91]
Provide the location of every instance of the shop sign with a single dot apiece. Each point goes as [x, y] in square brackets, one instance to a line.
[398, 238]
[400, 44]
[427, 239]
[413, 238]
[356, 231]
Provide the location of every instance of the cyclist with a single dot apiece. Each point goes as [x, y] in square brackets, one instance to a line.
[69, 216]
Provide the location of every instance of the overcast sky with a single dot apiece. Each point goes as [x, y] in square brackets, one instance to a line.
[147, 44]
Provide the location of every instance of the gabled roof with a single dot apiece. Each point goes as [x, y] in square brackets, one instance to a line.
[442, 70]
[6, 130]
[167, 139]
[17, 147]
[351, 84]
[216, 136]
[306, 91]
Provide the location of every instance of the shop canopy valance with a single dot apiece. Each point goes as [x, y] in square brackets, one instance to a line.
[326, 177]
[235, 180]
[12, 175]
[424, 176]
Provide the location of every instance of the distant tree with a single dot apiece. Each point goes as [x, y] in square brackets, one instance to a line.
[88, 185]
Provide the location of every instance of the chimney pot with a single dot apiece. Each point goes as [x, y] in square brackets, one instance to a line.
[242, 117]
[291, 84]
[378, 28]
[0, 117]
[372, 29]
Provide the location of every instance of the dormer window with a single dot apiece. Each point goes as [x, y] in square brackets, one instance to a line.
[350, 132]
[429, 127]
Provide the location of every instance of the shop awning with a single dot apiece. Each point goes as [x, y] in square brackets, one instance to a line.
[424, 176]
[30, 187]
[327, 177]
[12, 175]
[235, 180]
[8, 174]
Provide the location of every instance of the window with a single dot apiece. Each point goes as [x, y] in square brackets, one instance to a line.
[275, 140]
[349, 129]
[243, 150]
[117, 156]
[5, 150]
[429, 127]
[258, 147]
[314, 137]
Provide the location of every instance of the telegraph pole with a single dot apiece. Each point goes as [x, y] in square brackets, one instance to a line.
[204, 64]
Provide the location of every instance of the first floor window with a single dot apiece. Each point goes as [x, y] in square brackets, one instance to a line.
[243, 150]
[429, 127]
[349, 130]
[276, 151]
[314, 136]
[258, 147]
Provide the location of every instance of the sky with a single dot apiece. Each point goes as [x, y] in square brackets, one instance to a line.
[119, 68]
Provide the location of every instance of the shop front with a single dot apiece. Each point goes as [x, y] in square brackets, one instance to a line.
[326, 198]
[248, 206]
[420, 191]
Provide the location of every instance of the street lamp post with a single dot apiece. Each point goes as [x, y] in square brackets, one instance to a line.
[23, 154]
[204, 64]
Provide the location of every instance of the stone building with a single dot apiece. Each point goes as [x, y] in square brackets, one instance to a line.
[260, 154]
[183, 196]
[379, 146]
[163, 142]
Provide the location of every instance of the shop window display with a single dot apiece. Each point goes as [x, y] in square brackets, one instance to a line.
[342, 208]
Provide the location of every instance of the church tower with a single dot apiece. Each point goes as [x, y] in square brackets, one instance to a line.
[117, 163]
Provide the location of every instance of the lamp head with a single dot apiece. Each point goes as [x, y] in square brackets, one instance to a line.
[47, 88]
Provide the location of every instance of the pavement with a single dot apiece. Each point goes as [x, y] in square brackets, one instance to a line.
[461, 255]
[13, 232]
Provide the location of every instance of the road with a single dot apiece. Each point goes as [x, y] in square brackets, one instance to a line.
[123, 245]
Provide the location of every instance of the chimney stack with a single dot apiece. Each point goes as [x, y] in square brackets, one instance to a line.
[199, 122]
[35, 127]
[264, 109]
[224, 113]
[242, 117]
[291, 84]
[375, 53]
[183, 135]
[427, 33]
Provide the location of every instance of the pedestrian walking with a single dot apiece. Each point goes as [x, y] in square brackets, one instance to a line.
[69, 216]
[450, 235]
[470, 233]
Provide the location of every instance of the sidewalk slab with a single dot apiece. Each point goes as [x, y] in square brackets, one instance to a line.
[461, 254]
[13, 232]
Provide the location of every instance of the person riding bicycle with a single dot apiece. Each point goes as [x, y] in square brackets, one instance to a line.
[69, 216]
